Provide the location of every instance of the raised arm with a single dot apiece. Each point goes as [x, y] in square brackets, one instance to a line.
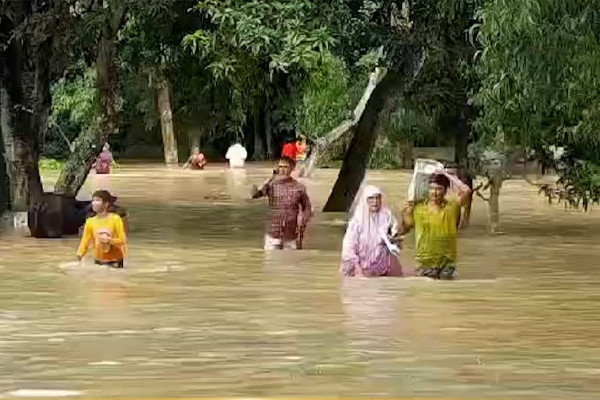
[187, 163]
[463, 190]
[408, 217]
[257, 193]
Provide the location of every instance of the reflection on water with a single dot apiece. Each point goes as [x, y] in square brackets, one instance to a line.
[201, 310]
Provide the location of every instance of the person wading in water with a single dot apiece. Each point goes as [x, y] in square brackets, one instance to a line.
[104, 161]
[290, 208]
[196, 161]
[365, 251]
[435, 221]
[105, 232]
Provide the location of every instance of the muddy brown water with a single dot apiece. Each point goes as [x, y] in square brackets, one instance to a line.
[201, 310]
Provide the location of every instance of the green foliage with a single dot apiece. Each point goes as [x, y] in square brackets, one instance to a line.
[150, 50]
[47, 165]
[326, 98]
[257, 49]
[578, 179]
[386, 155]
[75, 108]
[540, 84]
[77, 96]
[407, 127]
[277, 34]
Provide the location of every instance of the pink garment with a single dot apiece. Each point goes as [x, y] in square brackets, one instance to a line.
[364, 252]
[103, 162]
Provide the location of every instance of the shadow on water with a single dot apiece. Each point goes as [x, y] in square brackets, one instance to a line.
[201, 310]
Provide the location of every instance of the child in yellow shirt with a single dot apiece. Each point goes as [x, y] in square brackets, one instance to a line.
[105, 232]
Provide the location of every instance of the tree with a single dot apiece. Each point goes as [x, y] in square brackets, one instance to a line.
[410, 33]
[152, 49]
[101, 22]
[325, 97]
[99, 29]
[31, 52]
[75, 110]
[255, 46]
[539, 89]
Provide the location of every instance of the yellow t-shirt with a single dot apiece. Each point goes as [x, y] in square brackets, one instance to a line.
[435, 234]
[113, 224]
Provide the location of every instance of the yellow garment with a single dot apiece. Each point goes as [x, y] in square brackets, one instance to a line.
[435, 234]
[113, 224]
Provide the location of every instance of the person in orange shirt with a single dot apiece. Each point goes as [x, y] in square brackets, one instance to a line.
[105, 232]
[301, 156]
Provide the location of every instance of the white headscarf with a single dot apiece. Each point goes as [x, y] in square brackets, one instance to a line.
[371, 224]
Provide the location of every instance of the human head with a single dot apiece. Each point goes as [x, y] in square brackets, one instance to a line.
[373, 198]
[106, 147]
[438, 187]
[285, 166]
[102, 200]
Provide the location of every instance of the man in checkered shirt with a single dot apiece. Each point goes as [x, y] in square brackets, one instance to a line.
[290, 208]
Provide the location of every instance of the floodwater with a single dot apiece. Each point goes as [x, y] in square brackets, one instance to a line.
[201, 310]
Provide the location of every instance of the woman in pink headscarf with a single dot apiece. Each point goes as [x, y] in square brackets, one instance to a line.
[370, 246]
[104, 161]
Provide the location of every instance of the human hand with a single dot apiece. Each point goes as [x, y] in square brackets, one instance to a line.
[408, 206]
[398, 240]
[104, 238]
[301, 223]
[441, 171]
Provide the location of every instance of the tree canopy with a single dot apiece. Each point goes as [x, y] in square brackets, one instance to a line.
[539, 86]
[504, 74]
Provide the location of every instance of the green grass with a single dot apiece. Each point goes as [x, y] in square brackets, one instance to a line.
[50, 165]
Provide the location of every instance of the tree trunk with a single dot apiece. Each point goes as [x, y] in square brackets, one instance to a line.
[323, 144]
[406, 153]
[380, 105]
[166, 122]
[259, 145]
[24, 107]
[461, 141]
[494, 203]
[4, 187]
[269, 134]
[89, 143]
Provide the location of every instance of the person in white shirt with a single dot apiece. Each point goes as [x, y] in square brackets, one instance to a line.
[236, 154]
